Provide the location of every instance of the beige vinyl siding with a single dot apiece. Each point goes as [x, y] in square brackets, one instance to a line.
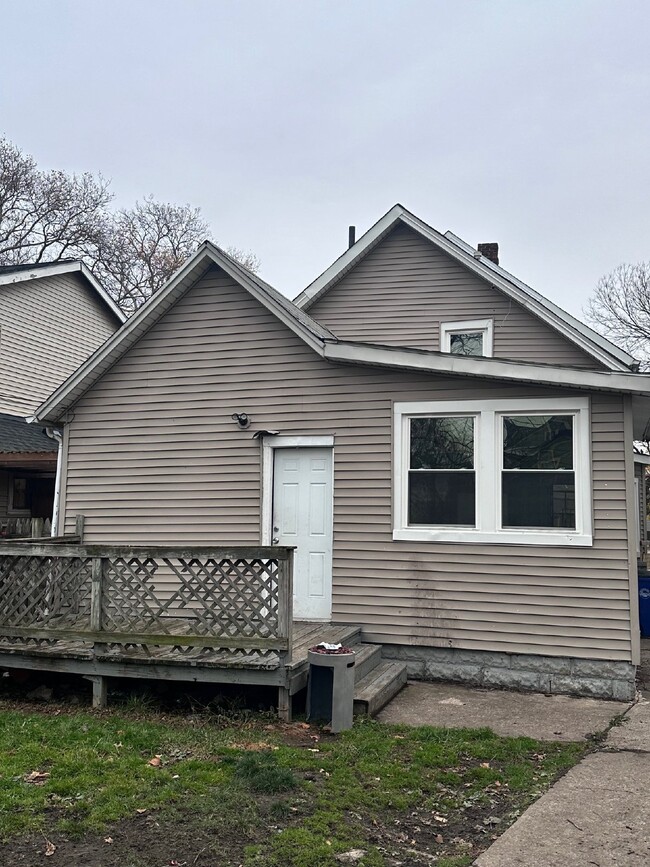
[405, 287]
[154, 457]
[48, 327]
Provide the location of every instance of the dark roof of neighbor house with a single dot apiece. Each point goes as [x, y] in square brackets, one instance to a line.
[19, 437]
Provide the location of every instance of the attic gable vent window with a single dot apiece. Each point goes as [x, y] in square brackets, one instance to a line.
[512, 471]
[471, 337]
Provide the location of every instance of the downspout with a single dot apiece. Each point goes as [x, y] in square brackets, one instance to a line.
[57, 435]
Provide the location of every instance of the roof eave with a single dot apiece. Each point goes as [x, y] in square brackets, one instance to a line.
[439, 363]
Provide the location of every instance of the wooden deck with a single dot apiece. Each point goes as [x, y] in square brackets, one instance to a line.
[210, 614]
[220, 665]
[195, 615]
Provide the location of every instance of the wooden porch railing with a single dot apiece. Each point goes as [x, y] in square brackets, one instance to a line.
[238, 599]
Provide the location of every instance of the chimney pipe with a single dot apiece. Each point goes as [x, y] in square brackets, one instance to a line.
[490, 251]
[352, 232]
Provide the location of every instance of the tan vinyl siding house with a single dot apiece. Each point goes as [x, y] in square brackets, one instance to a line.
[53, 316]
[48, 326]
[152, 455]
[155, 437]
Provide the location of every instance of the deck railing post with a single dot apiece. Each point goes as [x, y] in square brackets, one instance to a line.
[285, 630]
[97, 574]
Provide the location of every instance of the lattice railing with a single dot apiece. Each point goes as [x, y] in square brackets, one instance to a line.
[207, 599]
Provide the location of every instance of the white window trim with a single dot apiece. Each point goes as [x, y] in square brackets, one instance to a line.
[485, 326]
[488, 462]
[269, 444]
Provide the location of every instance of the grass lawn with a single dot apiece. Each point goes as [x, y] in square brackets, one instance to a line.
[149, 790]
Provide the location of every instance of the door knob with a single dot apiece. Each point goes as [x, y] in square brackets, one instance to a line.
[274, 540]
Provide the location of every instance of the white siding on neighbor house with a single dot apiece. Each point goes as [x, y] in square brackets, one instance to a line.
[154, 457]
[48, 327]
[405, 287]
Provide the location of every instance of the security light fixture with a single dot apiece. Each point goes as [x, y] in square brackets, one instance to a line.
[242, 419]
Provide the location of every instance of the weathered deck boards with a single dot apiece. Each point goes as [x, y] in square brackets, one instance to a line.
[209, 665]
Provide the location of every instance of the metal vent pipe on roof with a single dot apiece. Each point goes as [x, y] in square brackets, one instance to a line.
[352, 234]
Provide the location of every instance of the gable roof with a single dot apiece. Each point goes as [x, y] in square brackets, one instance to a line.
[208, 254]
[12, 274]
[577, 332]
[325, 344]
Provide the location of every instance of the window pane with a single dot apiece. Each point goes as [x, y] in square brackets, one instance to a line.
[539, 500]
[466, 344]
[442, 444]
[442, 498]
[538, 442]
[19, 498]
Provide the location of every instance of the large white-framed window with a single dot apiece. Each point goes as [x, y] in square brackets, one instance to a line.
[471, 337]
[506, 471]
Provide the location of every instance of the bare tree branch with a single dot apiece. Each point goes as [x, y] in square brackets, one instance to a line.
[46, 215]
[620, 308]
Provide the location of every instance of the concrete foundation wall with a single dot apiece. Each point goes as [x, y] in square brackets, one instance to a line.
[598, 678]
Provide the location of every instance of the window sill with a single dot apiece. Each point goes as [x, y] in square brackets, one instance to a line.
[506, 537]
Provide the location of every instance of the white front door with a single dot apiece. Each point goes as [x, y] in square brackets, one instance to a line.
[302, 516]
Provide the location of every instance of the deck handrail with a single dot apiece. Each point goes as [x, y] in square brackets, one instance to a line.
[231, 598]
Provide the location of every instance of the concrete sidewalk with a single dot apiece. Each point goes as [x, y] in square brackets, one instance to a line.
[598, 814]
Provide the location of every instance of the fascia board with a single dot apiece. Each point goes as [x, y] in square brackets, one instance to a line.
[240, 275]
[490, 368]
[346, 260]
[119, 343]
[589, 333]
[532, 301]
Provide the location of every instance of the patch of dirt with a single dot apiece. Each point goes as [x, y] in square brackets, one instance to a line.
[142, 841]
[405, 839]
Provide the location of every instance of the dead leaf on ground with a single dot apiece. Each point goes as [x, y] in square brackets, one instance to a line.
[141, 810]
[156, 762]
[38, 778]
[254, 746]
[485, 764]
[439, 838]
[50, 848]
[108, 839]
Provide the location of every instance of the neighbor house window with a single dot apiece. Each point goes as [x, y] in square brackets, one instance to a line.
[471, 337]
[19, 495]
[515, 472]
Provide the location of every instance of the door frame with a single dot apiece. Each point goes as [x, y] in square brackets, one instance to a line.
[269, 445]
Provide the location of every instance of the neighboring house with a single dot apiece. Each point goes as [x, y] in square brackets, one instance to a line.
[52, 317]
[449, 451]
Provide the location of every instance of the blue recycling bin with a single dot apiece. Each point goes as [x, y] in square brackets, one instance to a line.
[644, 604]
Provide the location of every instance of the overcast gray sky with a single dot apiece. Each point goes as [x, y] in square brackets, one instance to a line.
[520, 121]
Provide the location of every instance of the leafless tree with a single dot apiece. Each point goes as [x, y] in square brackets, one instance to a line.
[620, 309]
[46, 216]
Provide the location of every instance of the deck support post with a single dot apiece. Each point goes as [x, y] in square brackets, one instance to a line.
[284, 704]
[100, 684]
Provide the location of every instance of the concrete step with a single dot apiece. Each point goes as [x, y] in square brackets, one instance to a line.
[367, 657]
[378, 687]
